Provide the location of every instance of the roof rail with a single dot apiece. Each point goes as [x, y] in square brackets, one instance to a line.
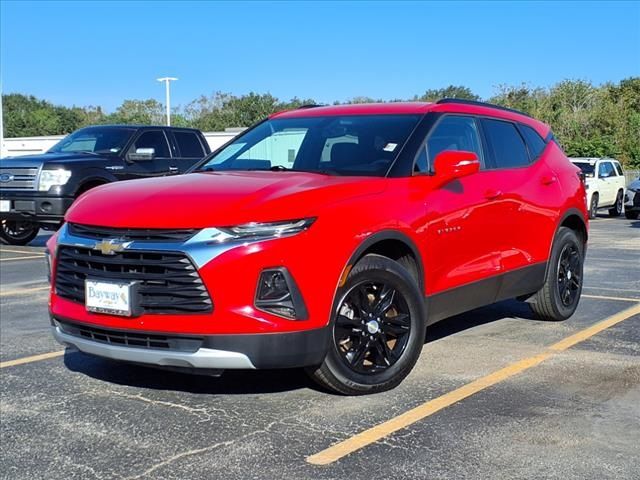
[308, 105]
[480, 104]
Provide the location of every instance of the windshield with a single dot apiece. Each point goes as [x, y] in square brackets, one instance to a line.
[101, 140]
[586, 168]
[347, 145]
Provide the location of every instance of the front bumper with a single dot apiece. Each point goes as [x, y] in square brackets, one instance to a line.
[35, 206]
[216, 352]
[631, 201]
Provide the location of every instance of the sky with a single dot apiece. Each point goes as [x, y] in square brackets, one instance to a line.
[100, 53]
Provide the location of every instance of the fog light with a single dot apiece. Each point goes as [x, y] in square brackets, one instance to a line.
[278, 294]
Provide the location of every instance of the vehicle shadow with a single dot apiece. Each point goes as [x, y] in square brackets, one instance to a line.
[479, 316]
[240, 382]
[244, 382]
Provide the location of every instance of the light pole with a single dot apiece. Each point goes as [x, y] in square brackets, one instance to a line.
[166, 81]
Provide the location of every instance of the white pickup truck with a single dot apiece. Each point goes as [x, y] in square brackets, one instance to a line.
[605, 184]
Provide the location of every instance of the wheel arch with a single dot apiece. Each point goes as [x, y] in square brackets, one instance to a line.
[392, 244]
[91, 182]
[574, 220]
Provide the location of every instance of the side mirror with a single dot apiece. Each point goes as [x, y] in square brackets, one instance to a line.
[142, 154]
[452, 164]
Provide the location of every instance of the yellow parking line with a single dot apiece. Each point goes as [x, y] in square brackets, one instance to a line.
[19, 291]
[34, 358]
[367, 437]
[27, 257]
[604, 297]
[2, 249]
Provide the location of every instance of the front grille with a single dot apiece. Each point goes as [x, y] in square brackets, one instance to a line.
[123, 338]
[21, 178]
[168, 282]
[131, 234]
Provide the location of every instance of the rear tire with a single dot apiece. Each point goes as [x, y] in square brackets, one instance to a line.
[593, 208]
[17, 232]
[378, 329]
[616, 211]
[559, 297]
[632, 215]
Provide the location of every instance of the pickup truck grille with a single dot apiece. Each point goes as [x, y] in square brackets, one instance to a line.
[132, 234]
[168, 282]
[17, 178]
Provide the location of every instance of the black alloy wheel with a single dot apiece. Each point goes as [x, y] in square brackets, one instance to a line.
[569, 275]
[378, 328]
[18, 232]
[372, 327]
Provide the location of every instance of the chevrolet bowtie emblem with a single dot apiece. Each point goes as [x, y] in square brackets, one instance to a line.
[111, 247]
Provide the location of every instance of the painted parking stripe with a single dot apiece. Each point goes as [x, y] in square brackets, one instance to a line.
[605, 297]
[27, 257]
[380, 431]
[33, 358]
[2, 250]
[19, 291]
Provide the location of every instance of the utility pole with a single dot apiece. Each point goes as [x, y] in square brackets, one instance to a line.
[166, 81]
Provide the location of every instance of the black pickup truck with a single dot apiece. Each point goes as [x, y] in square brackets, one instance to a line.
[37, 190]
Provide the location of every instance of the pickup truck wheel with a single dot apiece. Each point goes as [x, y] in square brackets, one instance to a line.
[16, 232]
[593, 208]
[632, 215]
[616, 211]
[560, 294]
[378, 329]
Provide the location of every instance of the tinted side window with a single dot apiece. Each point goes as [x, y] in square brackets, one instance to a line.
[153, 139]
[505, 143]
[606, 170]
[535, 143]
[618, 168]
[189, 144]
[451, 133]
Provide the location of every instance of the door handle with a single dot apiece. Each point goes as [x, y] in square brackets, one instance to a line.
[492, 194]
[548, 179]
[173, 169]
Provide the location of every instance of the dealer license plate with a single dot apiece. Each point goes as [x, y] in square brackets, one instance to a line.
[108, 297]
[5, 205]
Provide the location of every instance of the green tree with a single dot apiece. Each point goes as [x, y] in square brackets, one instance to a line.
[452, 91]
[140, 112]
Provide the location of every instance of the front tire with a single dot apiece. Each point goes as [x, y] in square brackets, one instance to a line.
[17, 232]
[559, 297]
[616, 211]
[378, 329]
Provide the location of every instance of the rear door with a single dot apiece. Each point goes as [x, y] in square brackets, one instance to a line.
[607, 177]
[188, 150]
[155, 167]
[529, 194]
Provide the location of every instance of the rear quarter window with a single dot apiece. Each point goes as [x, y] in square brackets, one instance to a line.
[535, 143]
[618, 168]
[189, 144]
[506, 146]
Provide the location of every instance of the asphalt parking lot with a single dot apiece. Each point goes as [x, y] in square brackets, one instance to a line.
[496, 395]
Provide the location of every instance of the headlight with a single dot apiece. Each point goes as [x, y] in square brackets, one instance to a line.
[53, 178]
[268, 230]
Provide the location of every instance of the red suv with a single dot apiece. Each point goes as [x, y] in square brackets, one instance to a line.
[327, 238]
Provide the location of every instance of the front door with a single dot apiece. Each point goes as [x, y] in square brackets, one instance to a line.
[154, 167]
[464, 225]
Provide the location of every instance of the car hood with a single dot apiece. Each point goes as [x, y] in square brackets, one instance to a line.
[211, 199]
[32, 161]
[635, 185]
